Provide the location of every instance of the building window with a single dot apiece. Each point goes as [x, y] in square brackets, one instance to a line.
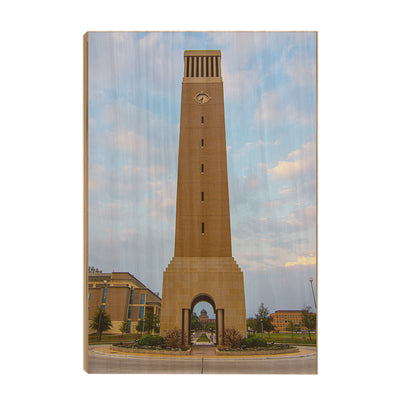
[90, 296]
[130, 312]
[131, 298]
[103, 300]
[142, 298]
[202, 197]
[202, 143]
[103, 306]
[141, 312]
[202, 168]
[202, 228]
[129, 326]
[202, 120]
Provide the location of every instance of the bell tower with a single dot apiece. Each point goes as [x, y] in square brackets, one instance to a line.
[202, 208]
[202, 268]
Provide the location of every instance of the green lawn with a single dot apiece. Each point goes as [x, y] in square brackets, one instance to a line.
[203, 338]
[286, 337]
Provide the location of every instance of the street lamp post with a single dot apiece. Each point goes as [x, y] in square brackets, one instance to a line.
[312, 288]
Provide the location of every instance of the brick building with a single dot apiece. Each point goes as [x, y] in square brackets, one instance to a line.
[122, 296]
[282, 318]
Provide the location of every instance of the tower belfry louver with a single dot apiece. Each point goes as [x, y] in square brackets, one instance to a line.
[202, 268]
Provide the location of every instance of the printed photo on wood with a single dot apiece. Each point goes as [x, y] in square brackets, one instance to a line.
[200, 202]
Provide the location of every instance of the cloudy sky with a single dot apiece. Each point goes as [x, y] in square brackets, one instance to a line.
[270, 115]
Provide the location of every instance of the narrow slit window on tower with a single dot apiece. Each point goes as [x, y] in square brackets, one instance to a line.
[202, 197]
[202, 120]
[202, 168]
[202, 228]
[202, 143]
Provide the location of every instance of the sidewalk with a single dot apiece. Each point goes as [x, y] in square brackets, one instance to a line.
[195, 339]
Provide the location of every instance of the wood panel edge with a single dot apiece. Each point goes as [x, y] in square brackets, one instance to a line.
[85, 199]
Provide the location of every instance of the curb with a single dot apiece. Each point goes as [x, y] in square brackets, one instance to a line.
[219, 357]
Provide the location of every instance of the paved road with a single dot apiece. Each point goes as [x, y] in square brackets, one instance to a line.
[199, 350]
[117, 364]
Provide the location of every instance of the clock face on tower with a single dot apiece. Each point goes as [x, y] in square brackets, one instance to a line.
[202, 98]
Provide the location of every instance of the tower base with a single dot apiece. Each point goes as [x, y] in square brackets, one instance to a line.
[216, 280]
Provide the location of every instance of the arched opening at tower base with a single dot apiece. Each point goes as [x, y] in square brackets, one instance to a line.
[190, 280]
[219, 316]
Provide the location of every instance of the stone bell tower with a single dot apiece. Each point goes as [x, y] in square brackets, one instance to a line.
[203, 268]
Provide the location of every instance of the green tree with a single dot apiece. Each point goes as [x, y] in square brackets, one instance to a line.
[101, 322]
[151, 321]
[309, 320]
[124, 327]
[195, 322]
[290, 327]
[264, 320]
[210, 326]
[252, 323]
[269, 326]
[140, 327]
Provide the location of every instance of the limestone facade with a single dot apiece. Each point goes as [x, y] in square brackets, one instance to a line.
[203, 268]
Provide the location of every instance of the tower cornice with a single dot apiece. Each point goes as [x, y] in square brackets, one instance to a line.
[202, 53]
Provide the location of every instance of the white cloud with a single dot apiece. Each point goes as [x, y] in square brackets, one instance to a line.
[150, 41]
[236, 47]
[303, 217]
[278, 108]
[271, 107]
[96, 176]
[112, 211]
[302, 260]
[130, 171]
[128, 141]
[298, 162]
[238, 83]
[301, 70]
[285, 190]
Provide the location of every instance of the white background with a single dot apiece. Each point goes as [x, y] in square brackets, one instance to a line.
[41, 161]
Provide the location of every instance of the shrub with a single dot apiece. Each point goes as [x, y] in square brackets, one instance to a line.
[232, 338]
[173, 338]
[151, 340]
[255, 341]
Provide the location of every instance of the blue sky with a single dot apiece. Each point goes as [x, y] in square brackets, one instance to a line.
[270, 102]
